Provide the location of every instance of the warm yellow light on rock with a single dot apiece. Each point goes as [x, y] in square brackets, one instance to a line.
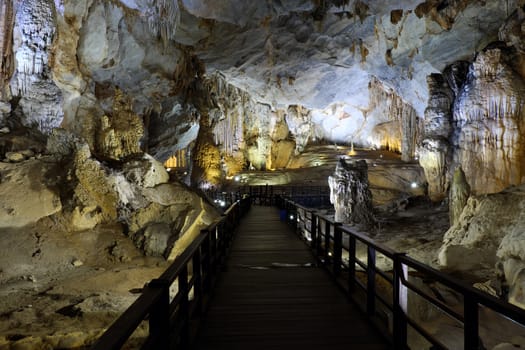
[177, 160]
[171, 162]
[352, 151]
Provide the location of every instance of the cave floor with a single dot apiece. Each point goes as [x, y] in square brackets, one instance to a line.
[60, 289]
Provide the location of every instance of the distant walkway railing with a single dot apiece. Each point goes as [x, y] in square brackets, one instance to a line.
[170, 317]
[311, 196]
[335, 246]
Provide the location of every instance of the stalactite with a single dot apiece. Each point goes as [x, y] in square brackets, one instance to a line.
[386, 102]
[228, 123]
[6, 43]
[163, 18]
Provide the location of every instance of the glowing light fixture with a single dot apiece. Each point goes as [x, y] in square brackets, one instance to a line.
[237, 178]
[413, 185]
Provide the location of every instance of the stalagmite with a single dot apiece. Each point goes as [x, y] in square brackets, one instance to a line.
[350, 193]
[434, 151]
[458, 196]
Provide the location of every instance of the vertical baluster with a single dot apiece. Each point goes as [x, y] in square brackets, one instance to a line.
[206, 262]
[319, 236]
[371, 281]
[184, 308]
[326, 242]
[159, 321]
[213, 249]
[338, 249]
[399, 322]
[197, 286]
[471, 325]
[351, 263]
[313, 232]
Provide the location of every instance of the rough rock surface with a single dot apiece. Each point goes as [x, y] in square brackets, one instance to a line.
[29, 192]
[488, 235]
[350, 193]
[458, 195]
[489, 113]
[40, 99]
[341, 46]
[120, 134]
[435, 152]
[62, 289]
[95, 187]
[248, 84]
[312, 66]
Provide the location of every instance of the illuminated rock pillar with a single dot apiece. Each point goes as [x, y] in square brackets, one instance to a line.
[350, 193]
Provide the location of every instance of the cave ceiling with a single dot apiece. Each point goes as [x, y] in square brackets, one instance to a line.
[346, 71]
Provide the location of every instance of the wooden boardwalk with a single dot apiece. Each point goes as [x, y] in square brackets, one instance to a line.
[272, 296]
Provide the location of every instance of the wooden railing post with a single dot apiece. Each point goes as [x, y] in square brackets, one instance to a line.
[471, 323]
[295, 218]
[351, 263]
[371, 281]
[338, 249]
[159, 319]
[206, 262]
[198, 285]
[313, 231]
[214, 256]
[326, 242]
[221, 241]
[184, 308]
[399, 319]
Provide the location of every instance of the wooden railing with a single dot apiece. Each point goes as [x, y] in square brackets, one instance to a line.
[312, 196]
[335, 246]
[170, 317]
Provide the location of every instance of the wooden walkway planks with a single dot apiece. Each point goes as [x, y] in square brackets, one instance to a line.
[262, 302]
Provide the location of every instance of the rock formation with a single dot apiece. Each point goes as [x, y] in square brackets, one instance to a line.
[435, 152]
[115, 88]
[40, 99]
[121, 133]
[487, 235]
[458, 195]
[349, 193]
[398, 126]
[29, 192]
[488, 116]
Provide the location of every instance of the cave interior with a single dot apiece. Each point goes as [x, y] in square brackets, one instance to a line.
[123, 124]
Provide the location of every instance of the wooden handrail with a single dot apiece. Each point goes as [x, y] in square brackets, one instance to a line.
[169, 322]
[325, 245]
